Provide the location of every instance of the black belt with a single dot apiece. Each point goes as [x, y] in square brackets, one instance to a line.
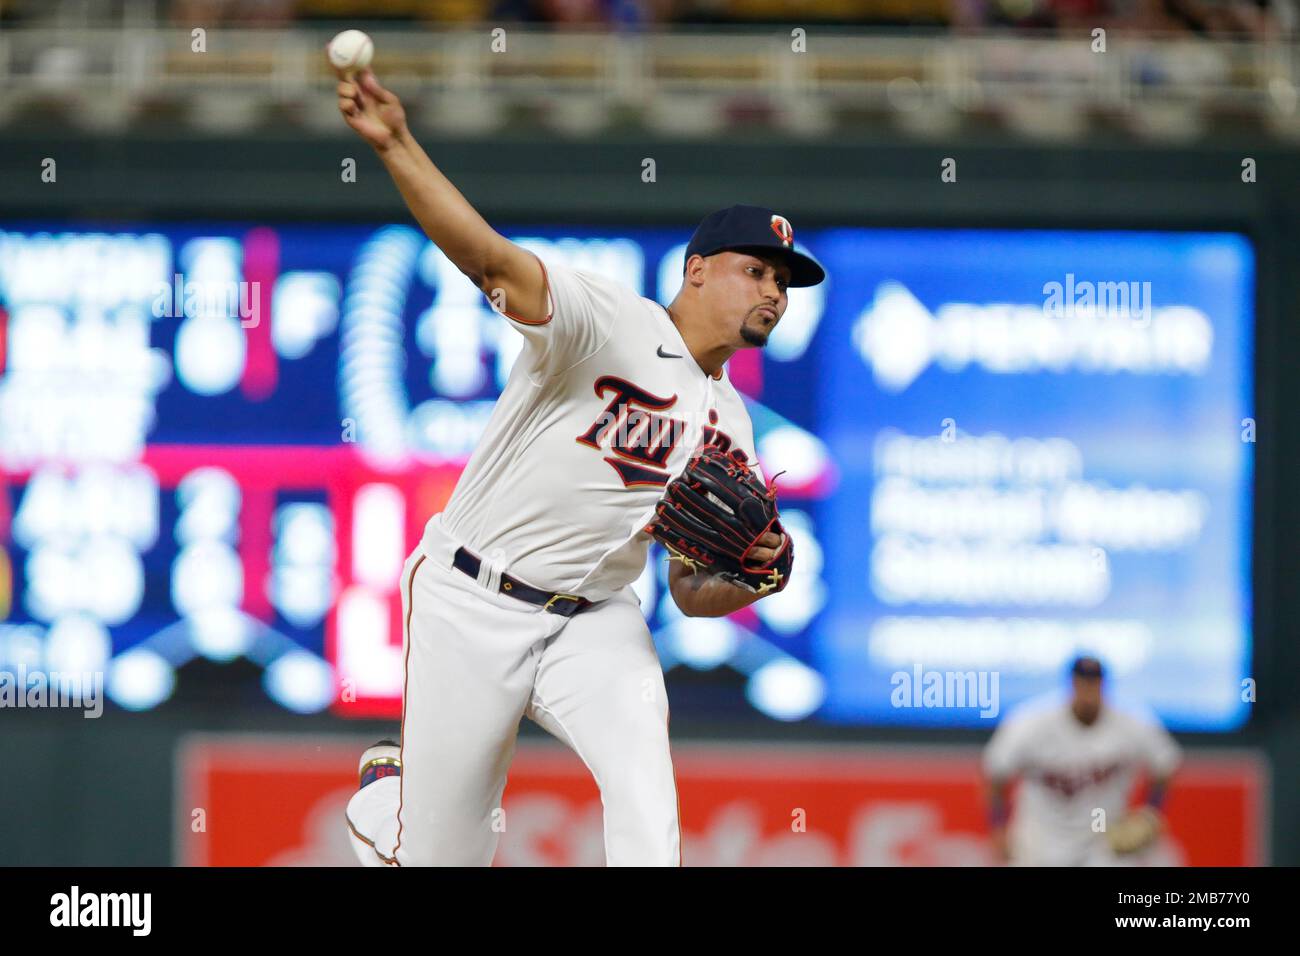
[565, 605]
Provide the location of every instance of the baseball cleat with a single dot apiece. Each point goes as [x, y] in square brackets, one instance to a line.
[382, 759]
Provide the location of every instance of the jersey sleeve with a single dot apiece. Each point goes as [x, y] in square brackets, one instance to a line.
[579, 319]
[1004, 755]
[1158, 750]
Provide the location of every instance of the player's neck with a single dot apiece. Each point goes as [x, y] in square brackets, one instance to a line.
[1090, 721]
[709, 354]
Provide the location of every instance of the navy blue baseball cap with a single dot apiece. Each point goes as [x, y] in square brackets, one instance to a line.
[754, 229]
[1085, 665]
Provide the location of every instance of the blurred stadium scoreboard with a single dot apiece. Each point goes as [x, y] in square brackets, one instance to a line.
[998, 448]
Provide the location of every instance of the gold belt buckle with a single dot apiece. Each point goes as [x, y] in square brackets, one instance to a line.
[561, 597]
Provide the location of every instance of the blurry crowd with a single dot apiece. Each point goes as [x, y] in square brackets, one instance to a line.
[1214, 18]
[1217, 18]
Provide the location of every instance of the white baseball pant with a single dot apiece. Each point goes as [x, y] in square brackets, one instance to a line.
[1035, 845]
[476, 661]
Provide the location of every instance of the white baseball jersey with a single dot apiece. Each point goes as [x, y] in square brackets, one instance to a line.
[592, 424]
[1068, 770]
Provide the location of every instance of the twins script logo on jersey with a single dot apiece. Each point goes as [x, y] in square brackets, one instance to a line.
[784, 231]
[641, 439]
[1068, 784]
[712, 436]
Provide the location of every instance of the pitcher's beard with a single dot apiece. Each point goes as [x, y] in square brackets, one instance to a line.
[755, 337]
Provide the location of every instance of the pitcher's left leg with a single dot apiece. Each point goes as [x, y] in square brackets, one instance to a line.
[600, 688]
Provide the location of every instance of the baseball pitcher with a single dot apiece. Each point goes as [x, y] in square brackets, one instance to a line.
[618, 425]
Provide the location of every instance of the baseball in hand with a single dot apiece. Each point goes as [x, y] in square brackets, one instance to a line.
[351, 50]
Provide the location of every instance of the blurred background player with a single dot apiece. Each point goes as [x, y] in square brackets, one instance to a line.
[1077, 764]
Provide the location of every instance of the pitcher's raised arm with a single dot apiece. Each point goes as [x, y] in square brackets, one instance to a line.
[512, 277]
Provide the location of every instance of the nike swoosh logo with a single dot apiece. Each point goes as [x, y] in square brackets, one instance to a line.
[662, 354]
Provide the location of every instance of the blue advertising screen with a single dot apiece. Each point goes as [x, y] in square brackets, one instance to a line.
[1044, 446]
[220, 441]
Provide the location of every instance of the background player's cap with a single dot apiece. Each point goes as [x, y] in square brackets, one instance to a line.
[1086, 666]
[744, 228]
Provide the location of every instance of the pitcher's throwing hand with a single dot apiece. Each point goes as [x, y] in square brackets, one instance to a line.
[374, 112]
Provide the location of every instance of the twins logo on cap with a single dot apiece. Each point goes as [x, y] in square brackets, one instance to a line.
[784, 231]
[751, 229]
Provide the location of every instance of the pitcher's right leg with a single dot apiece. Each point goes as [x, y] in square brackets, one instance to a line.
[373, 808]
[469, 663]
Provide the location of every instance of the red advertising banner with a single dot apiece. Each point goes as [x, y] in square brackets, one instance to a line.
[247, 800]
